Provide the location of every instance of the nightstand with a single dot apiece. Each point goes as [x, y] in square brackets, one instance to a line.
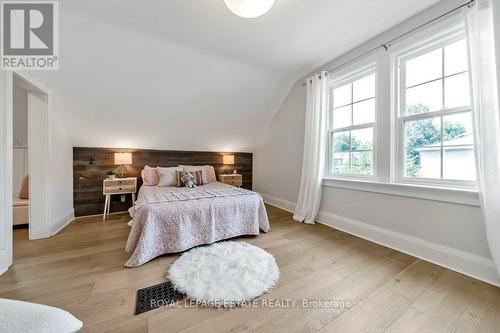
[118, 186]
[231, 179]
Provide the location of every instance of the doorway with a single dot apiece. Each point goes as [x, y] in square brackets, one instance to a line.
[20, 153]
[24, 129]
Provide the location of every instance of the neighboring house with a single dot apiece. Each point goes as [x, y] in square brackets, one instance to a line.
[457, 152]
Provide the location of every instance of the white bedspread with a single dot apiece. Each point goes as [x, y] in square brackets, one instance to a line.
[174, 226]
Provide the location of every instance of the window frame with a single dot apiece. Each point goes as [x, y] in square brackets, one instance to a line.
[422, 47]
[336, 82]
[385, 179]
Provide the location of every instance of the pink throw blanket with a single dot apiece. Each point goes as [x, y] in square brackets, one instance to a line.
[170, 227]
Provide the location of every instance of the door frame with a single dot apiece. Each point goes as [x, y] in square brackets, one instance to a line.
[6, 170]
[6, 128]
[38, 122]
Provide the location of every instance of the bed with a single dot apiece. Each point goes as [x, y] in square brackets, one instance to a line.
[20, 211]
[161, 227]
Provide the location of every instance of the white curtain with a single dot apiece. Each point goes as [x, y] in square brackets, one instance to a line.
[314, 149]
[479, 27]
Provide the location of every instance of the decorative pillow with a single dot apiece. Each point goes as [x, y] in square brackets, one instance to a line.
[197, 174]
[150, 176]
[24, 192]
[19, 316]
[189, 179]
[211, 175]
[168, 176]
[208, 172]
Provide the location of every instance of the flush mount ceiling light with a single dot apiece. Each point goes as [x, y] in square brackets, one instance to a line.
[249, 8]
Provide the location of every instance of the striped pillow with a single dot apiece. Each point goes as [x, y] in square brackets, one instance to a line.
[197, 175]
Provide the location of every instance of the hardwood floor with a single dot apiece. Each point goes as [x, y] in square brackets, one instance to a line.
[80, 270]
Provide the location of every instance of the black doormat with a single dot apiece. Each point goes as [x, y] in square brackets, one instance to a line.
[153, 297]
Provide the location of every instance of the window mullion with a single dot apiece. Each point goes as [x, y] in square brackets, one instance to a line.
[442, 117]
[350, 151]
[424, 83]
[442, 79]
[355, 127]
[442, 149]
[437, 113]
[350, 132]
[352, 103]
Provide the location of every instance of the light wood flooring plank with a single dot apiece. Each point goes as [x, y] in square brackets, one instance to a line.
[81, 270]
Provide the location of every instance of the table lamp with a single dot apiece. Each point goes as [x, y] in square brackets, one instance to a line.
[228, 160]
[123, 159]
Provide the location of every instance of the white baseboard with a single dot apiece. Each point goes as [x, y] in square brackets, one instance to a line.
[466, 263]
[475, 266]
[100, 215]
[280, 203]
[62, 221]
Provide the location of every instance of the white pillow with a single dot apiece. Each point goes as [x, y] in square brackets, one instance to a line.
[212, 176]
[19, 316]
[207, 172]
[168, 176]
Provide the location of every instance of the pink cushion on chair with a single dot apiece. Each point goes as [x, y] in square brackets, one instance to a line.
[150, 176]
[24, 192]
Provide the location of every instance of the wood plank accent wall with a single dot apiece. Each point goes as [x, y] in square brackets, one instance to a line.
[90, 166]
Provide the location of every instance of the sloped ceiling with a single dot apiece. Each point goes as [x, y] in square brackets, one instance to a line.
[188, 74]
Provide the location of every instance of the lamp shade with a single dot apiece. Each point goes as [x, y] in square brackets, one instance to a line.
[123, 158]
[228, 159]
[249, 8]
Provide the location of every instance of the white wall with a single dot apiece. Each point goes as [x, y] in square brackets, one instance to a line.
[187, 66]
[20, 168]
[278, 158]
[61, 172]
[449, 234]
[20, 115]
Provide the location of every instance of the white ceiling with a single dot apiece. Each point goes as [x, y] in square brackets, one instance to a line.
[189, 74]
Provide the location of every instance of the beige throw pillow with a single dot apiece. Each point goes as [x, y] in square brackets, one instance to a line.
[150, 176]
[24, 192]
[168, 176]
[207, 171]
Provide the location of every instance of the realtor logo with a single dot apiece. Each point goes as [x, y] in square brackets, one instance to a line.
[30, 39]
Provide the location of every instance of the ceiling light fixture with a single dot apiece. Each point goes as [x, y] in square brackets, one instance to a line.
[249, 8]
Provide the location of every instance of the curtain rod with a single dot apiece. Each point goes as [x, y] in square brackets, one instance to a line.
[387, 44]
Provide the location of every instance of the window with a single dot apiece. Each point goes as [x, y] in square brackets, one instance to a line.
[403, 115]
[352, 116]
[434, 115]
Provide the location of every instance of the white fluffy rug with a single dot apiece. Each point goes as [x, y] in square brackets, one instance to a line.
[224, 274]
